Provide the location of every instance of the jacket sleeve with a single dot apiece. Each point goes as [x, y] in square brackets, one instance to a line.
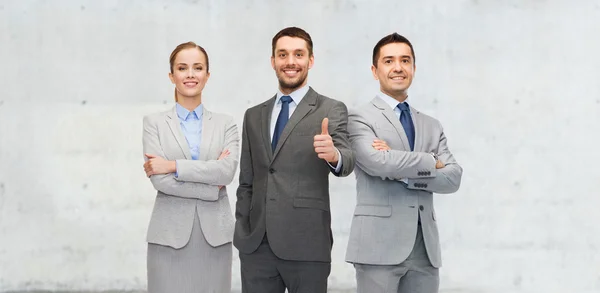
[166, 183]
[213, 172]
[391, 164]
[447, 179]
[338, 124]
[244, 191]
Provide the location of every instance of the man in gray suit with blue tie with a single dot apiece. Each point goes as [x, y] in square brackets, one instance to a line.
[402, 158]
[290, 144]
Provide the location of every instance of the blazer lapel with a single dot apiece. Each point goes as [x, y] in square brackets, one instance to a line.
[173, 122]
[418, 123]
[302, 109]
[207, 132]
[392, 118]
[265, 117]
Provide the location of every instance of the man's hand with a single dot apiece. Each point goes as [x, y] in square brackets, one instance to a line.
[223, 155]
[158, 165]
[324, 144]
[439, 164]
[380, 145]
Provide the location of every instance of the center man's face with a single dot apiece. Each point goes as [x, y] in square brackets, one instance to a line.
[291, 62]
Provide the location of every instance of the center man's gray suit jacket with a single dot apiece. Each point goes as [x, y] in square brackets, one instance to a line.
[384, 226]
[196, 187]
[285, 193]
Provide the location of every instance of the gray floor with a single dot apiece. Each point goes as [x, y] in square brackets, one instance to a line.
[330, 291]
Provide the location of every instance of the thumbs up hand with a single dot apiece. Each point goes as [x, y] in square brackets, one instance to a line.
[324, 144]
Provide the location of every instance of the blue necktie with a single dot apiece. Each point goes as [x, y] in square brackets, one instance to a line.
[407, 124]
[282, 119]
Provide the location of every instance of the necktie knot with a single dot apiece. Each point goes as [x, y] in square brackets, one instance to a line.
[286, 99]
[403, 107]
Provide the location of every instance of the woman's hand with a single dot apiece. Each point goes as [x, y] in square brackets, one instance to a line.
[158, 165]
[223, 155]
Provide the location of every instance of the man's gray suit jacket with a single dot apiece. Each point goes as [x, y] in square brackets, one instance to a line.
[385, 221]
[285, 193]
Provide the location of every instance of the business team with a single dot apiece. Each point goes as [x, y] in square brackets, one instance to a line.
[290, 144]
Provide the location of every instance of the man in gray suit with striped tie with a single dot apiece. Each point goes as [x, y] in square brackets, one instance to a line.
[290, 145]
[402, 158]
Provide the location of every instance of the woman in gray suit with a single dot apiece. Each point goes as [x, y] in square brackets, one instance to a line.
[190, 155]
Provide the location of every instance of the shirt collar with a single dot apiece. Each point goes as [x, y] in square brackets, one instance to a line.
[296, 95]
[393, 103]
[183, 113]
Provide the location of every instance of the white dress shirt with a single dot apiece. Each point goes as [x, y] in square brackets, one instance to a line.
[393, 103]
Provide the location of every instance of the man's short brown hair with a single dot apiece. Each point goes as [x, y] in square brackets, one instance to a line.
[389, 39]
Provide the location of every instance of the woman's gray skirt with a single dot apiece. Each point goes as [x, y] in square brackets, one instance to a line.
[195, 268]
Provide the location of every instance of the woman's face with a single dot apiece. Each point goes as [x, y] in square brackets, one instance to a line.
[189, 73]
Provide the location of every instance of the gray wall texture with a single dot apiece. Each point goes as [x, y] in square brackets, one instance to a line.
[515, 84]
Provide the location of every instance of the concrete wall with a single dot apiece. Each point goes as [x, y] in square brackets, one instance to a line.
[515, 84]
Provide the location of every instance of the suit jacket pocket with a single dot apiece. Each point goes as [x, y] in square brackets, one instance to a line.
[311, 203]
[377, 211]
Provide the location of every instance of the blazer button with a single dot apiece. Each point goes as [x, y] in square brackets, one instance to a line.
[421, 207]
[425, 185]
[271, 170]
